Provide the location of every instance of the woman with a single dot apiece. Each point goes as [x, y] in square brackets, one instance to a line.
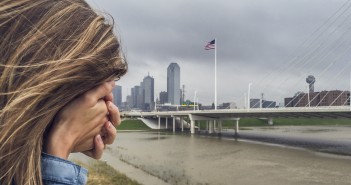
[58, 60]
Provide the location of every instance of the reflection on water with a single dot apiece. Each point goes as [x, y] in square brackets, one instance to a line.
[155, 138]
[185, 159]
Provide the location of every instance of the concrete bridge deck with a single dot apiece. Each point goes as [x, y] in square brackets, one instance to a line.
[214, 116]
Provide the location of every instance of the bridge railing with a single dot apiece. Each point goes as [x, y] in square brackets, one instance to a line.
[253, 110]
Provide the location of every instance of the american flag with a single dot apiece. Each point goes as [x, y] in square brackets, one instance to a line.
[210, 45]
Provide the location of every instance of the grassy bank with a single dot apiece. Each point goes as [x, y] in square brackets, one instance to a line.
[132, 124]
[102, 173]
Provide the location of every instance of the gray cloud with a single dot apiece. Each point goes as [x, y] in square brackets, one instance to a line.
[255, 39]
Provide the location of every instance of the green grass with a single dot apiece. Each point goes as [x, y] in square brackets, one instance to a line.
[102, 173]
[250, 122]
[132, 124]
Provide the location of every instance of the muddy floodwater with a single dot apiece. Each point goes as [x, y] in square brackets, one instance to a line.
[166, 158]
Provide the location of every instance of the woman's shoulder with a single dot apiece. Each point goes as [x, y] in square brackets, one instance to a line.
[60, 171]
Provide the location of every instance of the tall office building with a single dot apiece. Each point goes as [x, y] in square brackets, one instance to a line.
[140, 96]
[117, 94]
[132, 98]
[163, 97]
[173, 84]
[129, 102]
[137, 97]
[148, 90]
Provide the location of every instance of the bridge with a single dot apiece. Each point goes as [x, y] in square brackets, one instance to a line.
[214, 118]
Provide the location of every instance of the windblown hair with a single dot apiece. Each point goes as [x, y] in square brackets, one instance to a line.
[51, 51]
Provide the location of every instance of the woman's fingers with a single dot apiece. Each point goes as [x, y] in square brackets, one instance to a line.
[99, 146]
[111, 133]
[99, 92]
[109, 97]
[113, 113]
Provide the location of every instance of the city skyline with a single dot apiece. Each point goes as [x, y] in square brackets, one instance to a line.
[266, 43]
[142, 96]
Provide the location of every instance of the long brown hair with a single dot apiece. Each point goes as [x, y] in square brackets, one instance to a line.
[51, 51]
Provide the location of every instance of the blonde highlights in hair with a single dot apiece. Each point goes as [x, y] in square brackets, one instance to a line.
[51, 51]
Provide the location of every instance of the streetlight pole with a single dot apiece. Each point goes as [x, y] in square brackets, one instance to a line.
[245, 100]
[308, 95]
[248, 97]
[194, 99]
[215, 73]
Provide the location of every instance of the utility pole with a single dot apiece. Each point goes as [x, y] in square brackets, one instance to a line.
[194, 99]
[308, 95]
[245, 100]
[183, 94]
[248, 97]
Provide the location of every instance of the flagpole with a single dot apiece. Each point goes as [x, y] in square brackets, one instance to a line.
[215, 73]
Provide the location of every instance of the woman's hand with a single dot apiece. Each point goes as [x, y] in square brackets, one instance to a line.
[78, 125]
[108, 133]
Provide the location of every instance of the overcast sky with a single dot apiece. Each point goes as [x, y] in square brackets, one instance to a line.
[274, 44]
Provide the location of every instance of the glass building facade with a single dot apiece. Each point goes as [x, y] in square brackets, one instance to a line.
[173, 84]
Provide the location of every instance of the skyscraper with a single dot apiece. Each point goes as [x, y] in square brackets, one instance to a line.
[163, 97]
[129, 102]
[137, 97]
[132, 98]
[117, 94]
[148, 88]
[173, 83]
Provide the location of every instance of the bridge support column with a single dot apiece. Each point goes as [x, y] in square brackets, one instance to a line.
[207, 122]
[220, 126]
[181, 123]
[211, 124]
[159, 123]
[192, 126]
[214, 125]
[174, 124]
[236, 129]
[197, 118]
[166, 122]
[270, 121]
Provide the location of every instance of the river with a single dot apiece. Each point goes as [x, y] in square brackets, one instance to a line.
[167, 158]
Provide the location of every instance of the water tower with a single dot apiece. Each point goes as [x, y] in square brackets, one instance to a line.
[310, 80]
